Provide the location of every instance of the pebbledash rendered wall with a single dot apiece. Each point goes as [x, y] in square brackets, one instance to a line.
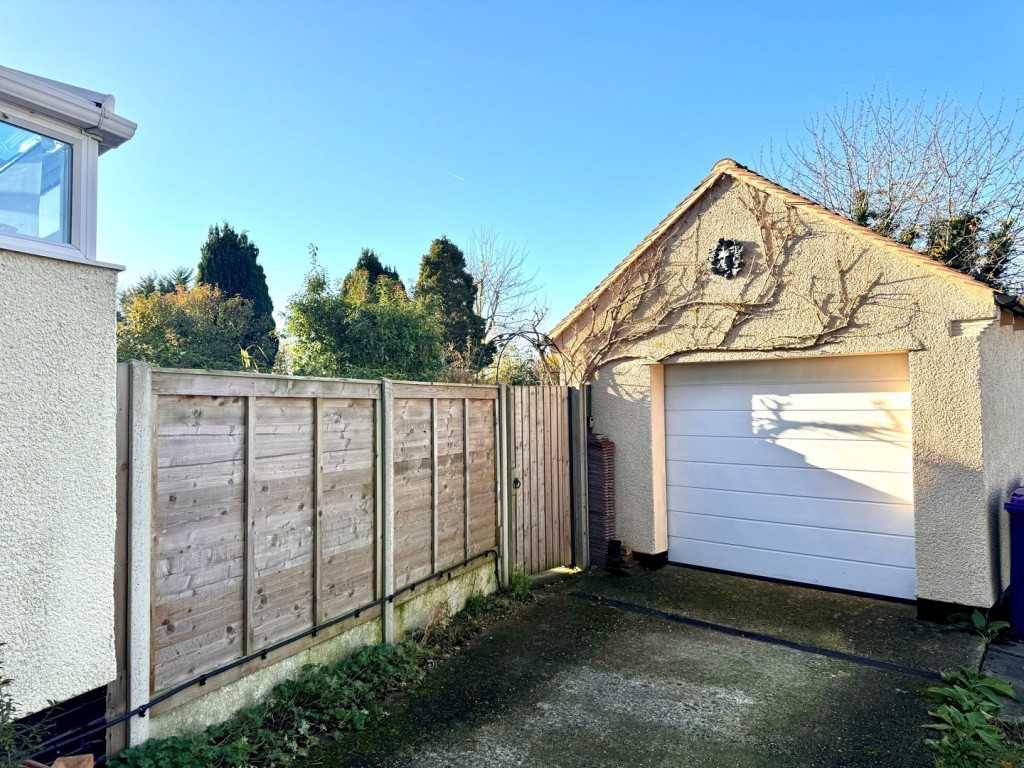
[1002, 408]
[967, 377]
[57, 476]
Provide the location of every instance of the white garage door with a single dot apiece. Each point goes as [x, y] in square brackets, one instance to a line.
[793, 469]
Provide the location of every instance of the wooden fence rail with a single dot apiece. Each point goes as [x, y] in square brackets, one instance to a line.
[254, 508]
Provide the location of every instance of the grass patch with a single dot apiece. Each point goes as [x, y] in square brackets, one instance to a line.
[323, 700]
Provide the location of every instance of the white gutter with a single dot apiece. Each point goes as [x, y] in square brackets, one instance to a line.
[92, 112]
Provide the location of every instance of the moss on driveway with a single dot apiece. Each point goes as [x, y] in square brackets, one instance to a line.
[879, 629]
[568, 682]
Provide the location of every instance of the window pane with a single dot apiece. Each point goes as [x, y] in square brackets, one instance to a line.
[35, 185]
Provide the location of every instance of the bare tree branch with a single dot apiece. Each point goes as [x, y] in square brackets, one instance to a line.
[909, 167]
[653, 297]
[507, 293]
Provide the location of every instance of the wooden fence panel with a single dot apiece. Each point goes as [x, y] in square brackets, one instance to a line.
[348, 505]
[413, 490]
[527, 503]
[541, 535]
[481, 478]
[568, 463]
[451, 496]
[551, 521]
[578, 430]
[198, 535]
[282, 519]
[270, 505]
[563, 472]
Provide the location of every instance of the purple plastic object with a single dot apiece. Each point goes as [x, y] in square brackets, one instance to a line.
[1014, 506]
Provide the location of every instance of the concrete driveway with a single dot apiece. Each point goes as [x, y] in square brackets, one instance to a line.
[675, 668]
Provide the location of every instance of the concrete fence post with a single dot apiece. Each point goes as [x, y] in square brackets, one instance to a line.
[387, 402]
[141, 503]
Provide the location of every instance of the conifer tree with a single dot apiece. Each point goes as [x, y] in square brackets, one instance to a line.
[444, 280]
[228, 260]
[370, 263]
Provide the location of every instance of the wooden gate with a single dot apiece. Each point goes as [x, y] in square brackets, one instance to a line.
[541, 509]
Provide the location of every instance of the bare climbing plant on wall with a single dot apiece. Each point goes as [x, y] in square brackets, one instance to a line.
[653, 295]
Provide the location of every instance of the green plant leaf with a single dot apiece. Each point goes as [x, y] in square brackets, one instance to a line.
[992, 738]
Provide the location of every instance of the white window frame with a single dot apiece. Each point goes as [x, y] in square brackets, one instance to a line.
[84, 162]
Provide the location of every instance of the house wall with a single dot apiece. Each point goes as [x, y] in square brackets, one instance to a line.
[1002, 399]
[908, 306]
[57, 464]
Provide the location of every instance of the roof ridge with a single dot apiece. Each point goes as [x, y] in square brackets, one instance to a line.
[745, 174]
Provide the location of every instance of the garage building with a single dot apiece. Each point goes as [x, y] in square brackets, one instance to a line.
[796, 397]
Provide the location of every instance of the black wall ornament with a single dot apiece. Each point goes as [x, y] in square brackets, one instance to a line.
[727, 258]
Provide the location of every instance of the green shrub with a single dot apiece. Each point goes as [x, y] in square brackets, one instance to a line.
[966, 739]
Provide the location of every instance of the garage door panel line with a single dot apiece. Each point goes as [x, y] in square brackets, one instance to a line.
[908, 536]
[790, 466]
[830, 559]
[795, 495]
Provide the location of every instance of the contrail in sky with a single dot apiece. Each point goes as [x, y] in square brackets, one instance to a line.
[454, 176]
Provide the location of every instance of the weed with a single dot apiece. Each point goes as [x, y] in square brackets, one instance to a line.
[971, 689]
[476, 605]
[1013, 753]
[17, 740]
[343, 696]
[977, 623]
[520, 586]
[439, 619]
[967, 732]
[966, 739]
[479, 611]
[299, 713]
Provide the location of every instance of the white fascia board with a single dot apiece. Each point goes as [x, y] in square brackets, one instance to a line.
[26, 246]
[66, 104]
[29, 246]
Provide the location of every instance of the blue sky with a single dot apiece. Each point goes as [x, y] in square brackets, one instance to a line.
[572, 127]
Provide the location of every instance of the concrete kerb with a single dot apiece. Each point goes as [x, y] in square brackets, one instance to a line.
[1006, 661]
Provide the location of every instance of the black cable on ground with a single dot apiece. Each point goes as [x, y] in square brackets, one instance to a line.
[760, 637]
